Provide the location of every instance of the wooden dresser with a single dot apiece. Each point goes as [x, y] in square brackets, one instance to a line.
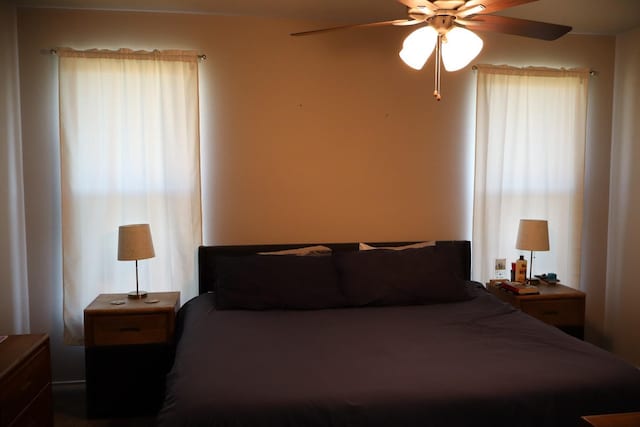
[629, 419]
[25, 381]
[128, 351]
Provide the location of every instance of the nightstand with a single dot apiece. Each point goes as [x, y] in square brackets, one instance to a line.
[556, 305]
[25, 381]
[129, 349]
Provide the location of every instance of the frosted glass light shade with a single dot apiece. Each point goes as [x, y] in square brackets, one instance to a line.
[459, 47]
[417, 47]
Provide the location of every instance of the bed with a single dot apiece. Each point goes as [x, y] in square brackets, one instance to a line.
[343, 336]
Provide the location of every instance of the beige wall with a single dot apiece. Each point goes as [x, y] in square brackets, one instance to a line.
[323, 138]
[623, 292]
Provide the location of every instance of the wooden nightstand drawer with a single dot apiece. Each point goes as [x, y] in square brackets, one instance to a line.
[24, 385]
[129, 329]
[561, 312]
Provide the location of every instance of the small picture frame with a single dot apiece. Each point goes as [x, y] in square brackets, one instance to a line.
[500, 268]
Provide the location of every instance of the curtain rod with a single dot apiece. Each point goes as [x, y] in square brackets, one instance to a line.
[201, 57]
[592, 73]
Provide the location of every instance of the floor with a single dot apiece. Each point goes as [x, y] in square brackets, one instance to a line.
[69, 407]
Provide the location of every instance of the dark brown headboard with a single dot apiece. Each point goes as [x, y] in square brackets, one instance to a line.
[207, 255]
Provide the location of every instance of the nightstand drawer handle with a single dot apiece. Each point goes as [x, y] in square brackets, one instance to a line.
[130, 329]
[550, 313]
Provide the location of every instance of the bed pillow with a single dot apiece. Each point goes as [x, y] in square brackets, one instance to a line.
[307, 250]
[365, 247]
[413, 276]
[258, 282]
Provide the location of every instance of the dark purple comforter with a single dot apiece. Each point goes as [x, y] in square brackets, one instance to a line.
[477, 362]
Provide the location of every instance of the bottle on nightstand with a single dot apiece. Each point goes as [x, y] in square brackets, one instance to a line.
[521, 269]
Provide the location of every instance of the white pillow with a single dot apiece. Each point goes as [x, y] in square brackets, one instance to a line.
[307, 250]
[365, 247]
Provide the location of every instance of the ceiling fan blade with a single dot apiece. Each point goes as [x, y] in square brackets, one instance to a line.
[407, 22]
[418, 3]
[469, 11]
[343, 27]
[448, 4]
[491, 6]
[516, 26]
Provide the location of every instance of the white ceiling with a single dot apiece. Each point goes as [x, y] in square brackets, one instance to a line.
[585, 16]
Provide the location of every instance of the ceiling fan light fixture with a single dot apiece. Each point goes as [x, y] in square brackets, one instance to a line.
[459, 48]
[418, 46]
[444, 30]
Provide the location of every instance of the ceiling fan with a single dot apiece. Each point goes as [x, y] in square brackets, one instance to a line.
[445, 24]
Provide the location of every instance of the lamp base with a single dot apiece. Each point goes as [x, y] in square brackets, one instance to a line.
[137, 294]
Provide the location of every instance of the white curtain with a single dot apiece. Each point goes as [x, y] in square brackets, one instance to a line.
[14, 290]
[530, 145]
[129, 134]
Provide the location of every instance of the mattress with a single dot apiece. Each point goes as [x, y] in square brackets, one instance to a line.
[474, 362]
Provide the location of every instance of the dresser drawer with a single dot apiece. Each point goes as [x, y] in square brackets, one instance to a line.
[126, 329]
[22, 386]
[559, 312]
[39, 413]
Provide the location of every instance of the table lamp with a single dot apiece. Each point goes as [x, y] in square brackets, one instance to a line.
[134, 243]
[533, 235]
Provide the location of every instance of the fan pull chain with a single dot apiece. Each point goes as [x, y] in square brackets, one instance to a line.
[436, 91]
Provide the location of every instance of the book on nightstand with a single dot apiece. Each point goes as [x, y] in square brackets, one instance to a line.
[519, 288]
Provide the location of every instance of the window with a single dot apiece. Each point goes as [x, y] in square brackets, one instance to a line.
[129, 135]
[530, 145]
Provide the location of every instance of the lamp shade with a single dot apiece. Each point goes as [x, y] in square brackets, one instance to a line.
[459, 47]
[418, 46]
[533, 235]
[134, 242]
